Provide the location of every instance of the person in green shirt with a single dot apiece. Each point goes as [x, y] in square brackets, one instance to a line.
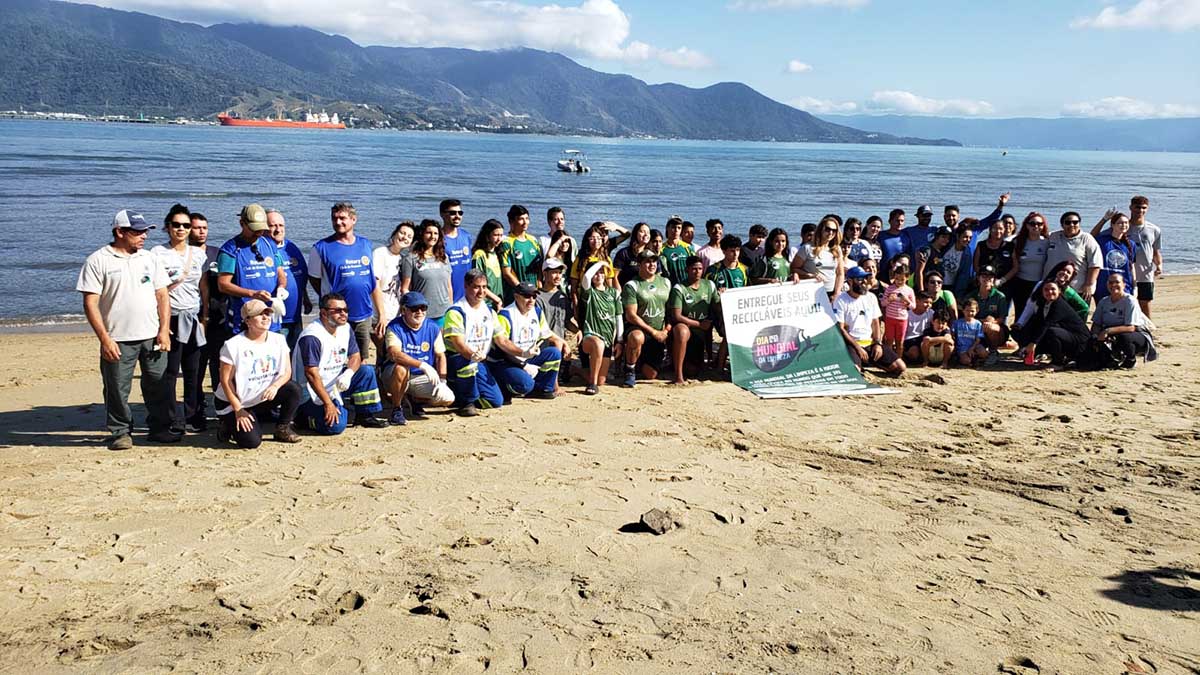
[520, 253]
[773, 266]
[730, 272]
[601, 323]
[646, 329]
[675, 252]
[690, 308]
[993, 312]
[484, 257]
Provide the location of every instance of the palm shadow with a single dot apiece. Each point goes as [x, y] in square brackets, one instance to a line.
[1165, 588]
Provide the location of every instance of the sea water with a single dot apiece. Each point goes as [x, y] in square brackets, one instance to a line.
[61, 183]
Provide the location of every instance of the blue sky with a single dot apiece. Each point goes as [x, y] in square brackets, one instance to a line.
[1124, 58]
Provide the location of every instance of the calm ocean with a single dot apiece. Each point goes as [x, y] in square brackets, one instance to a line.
[61, 182]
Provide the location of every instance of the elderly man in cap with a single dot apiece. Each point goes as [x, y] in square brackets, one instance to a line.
[126, 302]
[528, 353]
[416, 360]
[856, 313]
[250, 267]
[556, 307]
[328, 367]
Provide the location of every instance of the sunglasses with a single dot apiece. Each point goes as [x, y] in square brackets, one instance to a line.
[831, 230]
[257, 256]
[186, 223]
[421, 308]
[1071, 222]
[454, 213]
[335, 310]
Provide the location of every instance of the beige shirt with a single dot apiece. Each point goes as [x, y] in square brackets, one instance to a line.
[126, 285]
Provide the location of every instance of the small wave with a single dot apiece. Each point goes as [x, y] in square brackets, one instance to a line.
[36, 321]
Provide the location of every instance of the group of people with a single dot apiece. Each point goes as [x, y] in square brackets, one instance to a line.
[436, 318]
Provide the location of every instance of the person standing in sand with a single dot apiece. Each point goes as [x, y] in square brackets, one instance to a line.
[216, 330]
[711, 253]
[126, 302]
[341, 263]
[1072, 244]
[520, 253]
[1147, 242]
[296, 269]
[249, 267]
[184, 265]
[457, 242]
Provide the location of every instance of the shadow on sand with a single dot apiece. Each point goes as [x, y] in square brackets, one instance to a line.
[1166, 588]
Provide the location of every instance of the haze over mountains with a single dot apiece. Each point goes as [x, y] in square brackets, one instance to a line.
[1065, 133]
[82, 58]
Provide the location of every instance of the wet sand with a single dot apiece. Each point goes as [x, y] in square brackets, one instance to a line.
[1007, 519]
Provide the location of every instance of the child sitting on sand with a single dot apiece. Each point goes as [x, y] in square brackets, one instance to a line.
[969, 340]
[897, 300]
[918, 321]
[937, 343]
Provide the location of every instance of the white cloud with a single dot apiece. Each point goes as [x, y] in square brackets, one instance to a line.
[1175, 15]
[754, 5]
[1123, 107]
[795, 66]
[820, 106]
[596, 29]
[908, 103]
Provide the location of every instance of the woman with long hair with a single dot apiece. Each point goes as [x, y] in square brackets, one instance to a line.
[1117, 252]
[1029, 256]
[486, 258]
[1055, 329]
[426, 269]
[773, 267]
[625, 262]
[1061, 274]
[822, 259]
[385, 261]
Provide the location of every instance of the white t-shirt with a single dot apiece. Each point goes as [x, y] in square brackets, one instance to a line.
[1148, 238]
[1081, 250]
[255, 366]
[387, 277]
[335, 354]
[857, 314]
[185, 271]
[822, 262]
[126, 285]
[917, 323]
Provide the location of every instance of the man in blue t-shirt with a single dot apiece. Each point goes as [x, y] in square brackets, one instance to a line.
[297, 283]
[415, 370]
[341, 263]
[249, 267]
[917, 236]
[892, 240]
[458, 244]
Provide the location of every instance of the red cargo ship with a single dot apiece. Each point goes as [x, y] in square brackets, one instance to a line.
[311, 121]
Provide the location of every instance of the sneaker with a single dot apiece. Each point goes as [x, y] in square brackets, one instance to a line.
[122, 442]
[468, 410]
[164, 436]
[591, 390]
[194, 428]
[543, 394]
[630, 379]
[284, 433]
[992, 359]
[397, 418]
[372, 422]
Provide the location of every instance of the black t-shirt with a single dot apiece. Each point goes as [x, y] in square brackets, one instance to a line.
[1000, 258]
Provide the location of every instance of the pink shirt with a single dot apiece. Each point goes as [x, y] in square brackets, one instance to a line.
[896, 309]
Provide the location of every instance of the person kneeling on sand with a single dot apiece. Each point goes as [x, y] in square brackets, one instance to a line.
[528, 353]
[937, 343]
[327, 364]
[256, 376]
[416, 360]
[470, 325]
[914, 331]
[857, 315]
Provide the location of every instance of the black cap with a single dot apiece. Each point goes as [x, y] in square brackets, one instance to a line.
[527, 289]
[988, 270]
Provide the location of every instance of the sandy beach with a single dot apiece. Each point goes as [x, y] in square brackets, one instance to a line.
[1005, 520]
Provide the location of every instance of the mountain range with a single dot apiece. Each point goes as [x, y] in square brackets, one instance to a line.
[57, 56]
[1063, 133]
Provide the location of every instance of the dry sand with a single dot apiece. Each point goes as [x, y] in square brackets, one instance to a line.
[1006, 520]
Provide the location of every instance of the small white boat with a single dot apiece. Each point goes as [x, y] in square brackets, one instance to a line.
[573, 161]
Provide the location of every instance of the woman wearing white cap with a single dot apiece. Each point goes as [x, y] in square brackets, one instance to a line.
[601, 322]
[256, 376]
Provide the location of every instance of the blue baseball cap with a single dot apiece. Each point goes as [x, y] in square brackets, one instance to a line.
[413, 299]
[857, 273]
[128, 218]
